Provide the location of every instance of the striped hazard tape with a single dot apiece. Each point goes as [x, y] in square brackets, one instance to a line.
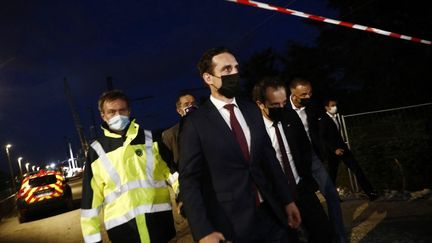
[330, 21]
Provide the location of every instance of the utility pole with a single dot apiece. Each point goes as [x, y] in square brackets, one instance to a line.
[76, 118]
[93, 130]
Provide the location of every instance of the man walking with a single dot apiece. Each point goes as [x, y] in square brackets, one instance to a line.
[125, 177]
[231, 183]
[301, 93]
[284, 132]
[335, 149]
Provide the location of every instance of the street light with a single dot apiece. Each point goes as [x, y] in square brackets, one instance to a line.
[33, 167]
[19, 164]
[8, 146]
[27, 167]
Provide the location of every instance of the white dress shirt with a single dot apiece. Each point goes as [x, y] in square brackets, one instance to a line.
[271, 131]
[334, 118]
[302, 114]
[226, 116]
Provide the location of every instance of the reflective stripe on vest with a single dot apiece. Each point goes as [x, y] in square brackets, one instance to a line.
[88, 213]
[93, 238]
[149, 153]
[106, 163]
[137, 211]
[133, 185]
[120, 189]
[123, 188]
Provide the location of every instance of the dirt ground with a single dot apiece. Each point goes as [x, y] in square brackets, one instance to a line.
[381, 221]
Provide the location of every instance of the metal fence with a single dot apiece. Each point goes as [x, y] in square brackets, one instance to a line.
[393, 146]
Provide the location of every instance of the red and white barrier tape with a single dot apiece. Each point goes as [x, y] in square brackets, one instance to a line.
[330, 21]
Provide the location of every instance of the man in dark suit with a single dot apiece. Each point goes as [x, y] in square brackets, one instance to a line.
[231, 183]
[336, 150]
[309, 115]
[292, 152]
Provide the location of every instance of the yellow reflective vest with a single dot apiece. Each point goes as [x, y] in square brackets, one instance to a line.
[126, 178]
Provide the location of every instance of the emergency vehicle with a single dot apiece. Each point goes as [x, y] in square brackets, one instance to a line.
[43, 190]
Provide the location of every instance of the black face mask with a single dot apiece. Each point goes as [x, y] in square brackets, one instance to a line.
[276, 113]
[230, 85]
[305, 101]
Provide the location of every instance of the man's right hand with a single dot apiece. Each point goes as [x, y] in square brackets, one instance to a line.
[293, 214]
[214, 237]
[339, 152]
[179, 208]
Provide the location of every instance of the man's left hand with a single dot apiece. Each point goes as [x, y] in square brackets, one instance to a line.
[294, 218]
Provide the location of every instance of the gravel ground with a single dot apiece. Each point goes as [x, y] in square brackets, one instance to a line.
[392, 218]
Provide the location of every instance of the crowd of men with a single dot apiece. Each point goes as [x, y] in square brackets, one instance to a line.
[244, 171]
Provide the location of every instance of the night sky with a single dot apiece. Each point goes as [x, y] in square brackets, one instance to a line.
[150, 48]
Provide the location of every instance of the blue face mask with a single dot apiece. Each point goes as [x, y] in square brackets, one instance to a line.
[118, 123]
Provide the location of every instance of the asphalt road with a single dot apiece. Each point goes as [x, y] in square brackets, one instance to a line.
[56, 225]
[380, 221]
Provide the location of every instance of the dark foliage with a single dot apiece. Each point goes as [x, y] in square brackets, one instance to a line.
[367, 72]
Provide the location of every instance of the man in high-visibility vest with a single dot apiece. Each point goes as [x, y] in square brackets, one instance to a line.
[126, 177]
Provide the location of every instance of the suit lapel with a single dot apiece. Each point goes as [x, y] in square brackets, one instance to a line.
[219, 124]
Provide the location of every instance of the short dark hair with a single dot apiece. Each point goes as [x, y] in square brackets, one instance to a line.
[298, 81]
[110, 96]
[327, 100]
[182, 94]
[205, 64]
[259, 90]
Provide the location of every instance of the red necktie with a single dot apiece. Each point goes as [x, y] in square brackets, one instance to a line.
[238, 131]
[241, 139]
[285, 162]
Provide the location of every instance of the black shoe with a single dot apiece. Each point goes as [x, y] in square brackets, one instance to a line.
[372, 196]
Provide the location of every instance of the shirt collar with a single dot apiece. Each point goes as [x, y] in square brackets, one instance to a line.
[295, 107]
[331, 115]
[220, 104]
[267, 122]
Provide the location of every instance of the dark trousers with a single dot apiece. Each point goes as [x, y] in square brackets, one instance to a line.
[267, 229]
[314, 219]
[160, 226]
[349, 160]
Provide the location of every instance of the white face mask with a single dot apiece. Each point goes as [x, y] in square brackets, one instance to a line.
[333, 110]
[118, 123]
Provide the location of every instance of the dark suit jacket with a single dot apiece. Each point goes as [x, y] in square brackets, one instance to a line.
[314, 116]
[330, 136]
[216, 181]
[300, 146]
